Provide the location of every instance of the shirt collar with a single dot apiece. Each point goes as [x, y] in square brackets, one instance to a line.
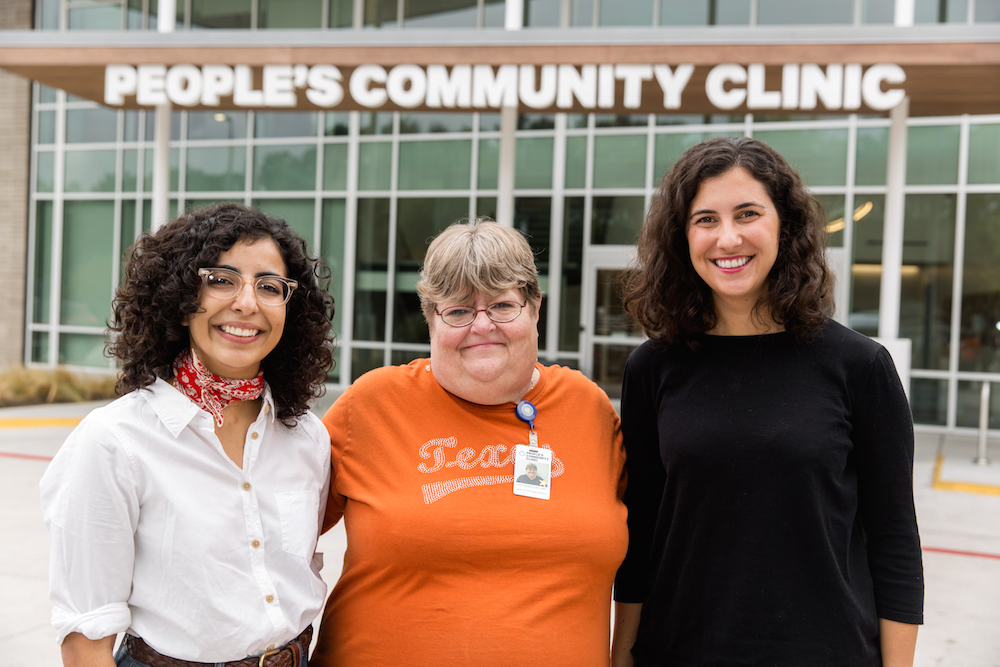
[176, 411]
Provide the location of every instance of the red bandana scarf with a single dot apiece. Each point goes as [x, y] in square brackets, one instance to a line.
[209, 391]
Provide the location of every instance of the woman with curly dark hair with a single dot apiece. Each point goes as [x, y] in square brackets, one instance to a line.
[769, 449]
[186, 513]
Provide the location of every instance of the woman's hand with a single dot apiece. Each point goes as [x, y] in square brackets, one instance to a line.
[626, 627]
[78, 651]
[898, 642]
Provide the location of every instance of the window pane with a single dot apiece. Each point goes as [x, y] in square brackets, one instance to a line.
[970, 398]
[418, 221]
[925, 298]
[866, 271]
[45, 168]
[95, 18]
[371, 279]
[542, 13]
[820, 156]
[435, 165]
[131, 132]
[576, 162]
[620, 120]
[130, 170]
[984, 153]
[335, 167]
[48, 14]
[626, 13]
[533, 218]
[376, 123]
[43, 262]
[130, 229]
[582, 13]
[298, 213]
[281, 124]
[91, 125]
[489, 163]
[374, 165]
[932, 155]
[220, 13]
[493, 14]
[668, 149]
[149, 157]
[82, 350]
[332, 254]
[795, 12]
[616, 220]
[46, 127]
[90, 171]
[289, 13]
[88, 239]
[533, 159]
[40, 347]
[432, 122]
[216, 169]
[336, 124]
[873, 156]
[879, 11]
[217, 125]
[940, 11]
[704, 12]
[341, 13]
[987, 11]
[833, 208]
[929, 401]
[363, 361]
[489, 122]
[284, 167]
[486, 207]
[380, 14]
[571, 275]
[620, 161]
[440, 13]
[980, 347]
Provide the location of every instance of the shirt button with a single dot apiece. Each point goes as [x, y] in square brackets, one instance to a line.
[246, 486]
[255, 435]
[270, 598]
[255, 544]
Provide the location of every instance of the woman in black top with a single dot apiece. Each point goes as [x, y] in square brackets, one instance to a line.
[770, 449]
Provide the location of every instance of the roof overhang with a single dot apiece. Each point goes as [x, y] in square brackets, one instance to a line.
[947, 70]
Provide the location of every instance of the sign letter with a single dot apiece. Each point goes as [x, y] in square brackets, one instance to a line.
[324, 86]
[149, 91]
[580, 84]
[715, 86]
[673, 83]
[633, 75]
[871, 86]
[360, 86]
[119, 81]
[449, 91]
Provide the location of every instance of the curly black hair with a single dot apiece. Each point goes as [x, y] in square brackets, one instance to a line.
[666, 295]
[161, 286]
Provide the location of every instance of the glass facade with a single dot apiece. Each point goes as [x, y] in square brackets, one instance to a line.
[369, 189]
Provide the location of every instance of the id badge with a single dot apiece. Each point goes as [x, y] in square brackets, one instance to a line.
[532, 472]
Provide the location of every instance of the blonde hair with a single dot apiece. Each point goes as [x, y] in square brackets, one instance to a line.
[480, 257]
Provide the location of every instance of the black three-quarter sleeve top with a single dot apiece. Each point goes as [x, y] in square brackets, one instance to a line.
[770, 500]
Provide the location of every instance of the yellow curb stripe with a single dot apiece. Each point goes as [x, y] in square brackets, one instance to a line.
[33, 422]
[968, 487]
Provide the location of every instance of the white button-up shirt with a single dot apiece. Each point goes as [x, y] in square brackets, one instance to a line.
[156, 531]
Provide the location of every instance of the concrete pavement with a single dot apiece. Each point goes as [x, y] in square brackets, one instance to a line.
[960, 530]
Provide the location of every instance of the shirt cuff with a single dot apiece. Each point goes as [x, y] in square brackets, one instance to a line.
[97, 624]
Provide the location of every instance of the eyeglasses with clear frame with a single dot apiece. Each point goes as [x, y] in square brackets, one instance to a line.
[227, 284]
[500, 312]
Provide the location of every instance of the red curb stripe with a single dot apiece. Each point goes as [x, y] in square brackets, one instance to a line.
[30, 457]
[955, 552]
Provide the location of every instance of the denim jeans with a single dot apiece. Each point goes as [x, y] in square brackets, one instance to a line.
[123, 659]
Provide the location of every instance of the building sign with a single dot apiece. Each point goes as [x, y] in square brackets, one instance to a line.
[633, 88]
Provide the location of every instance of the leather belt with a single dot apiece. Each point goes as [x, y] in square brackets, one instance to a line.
[289, 655]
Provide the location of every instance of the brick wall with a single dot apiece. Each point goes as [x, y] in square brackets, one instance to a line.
[15, 118]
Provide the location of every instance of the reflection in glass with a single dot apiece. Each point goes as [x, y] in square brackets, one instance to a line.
[872, 155]
[620, 120]
[609, 366]
[130, 170]
[534, 121]
[582, 13]
[418, 221]
[984, 158]
[626, 13]
[980, 324]
[149, 157]
[616, 220]
[987, 11]
[42, 290]
[489, 163]
[435, 165]
[289, 13]
[571, 275]
[879, 11]
[284, 167]
[940, 11]
[668, 148]
[620, 161]
[380, 14]
[533, 163]
[576, 162]
[215, 169]
[220, 14]
[783, 12]
[217, 125]
[820, 156]
[45, 171]
[46, 127]
[88, 228]
[929, 401]
[82, 350]
[91, 125]
[40, 347]
[928, 263]
[704, 12]
[341, 13]
[969, 404]
[833, 209]
[610, 318]
[376, 122]
[411, 122]
[932, 155]
[438, 14]
[542, 13]
[533, 218]
[300, 215]
[371, 264]
[363, 360]
[374, 165]
[866, 271]
[95, 18]
[90, 171]
[281, 124]
[336, 124]
[332, 253]
[335, 167]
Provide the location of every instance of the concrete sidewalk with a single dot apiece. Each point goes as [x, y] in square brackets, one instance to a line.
[960, 531]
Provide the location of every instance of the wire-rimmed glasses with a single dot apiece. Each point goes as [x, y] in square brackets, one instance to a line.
[227, 284]
[500, 312]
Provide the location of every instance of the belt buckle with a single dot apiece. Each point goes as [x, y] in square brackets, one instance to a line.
[268, 654]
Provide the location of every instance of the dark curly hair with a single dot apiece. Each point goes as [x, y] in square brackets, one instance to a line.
[669, 299]
[161, 286]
